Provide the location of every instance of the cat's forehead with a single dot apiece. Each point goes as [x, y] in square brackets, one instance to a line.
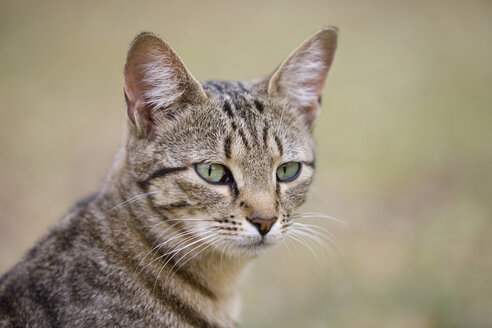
[240, 98]
[239, 122]
[248, 109]
[243, 104]
[230, 88]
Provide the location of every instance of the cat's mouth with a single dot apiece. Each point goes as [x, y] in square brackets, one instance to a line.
[259, 243]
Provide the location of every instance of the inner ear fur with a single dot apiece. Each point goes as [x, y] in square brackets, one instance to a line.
[156, 80]
[300, 79]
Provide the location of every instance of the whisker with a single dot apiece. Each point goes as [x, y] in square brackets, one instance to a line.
[208, 246]
[330, 238]
[297, 237]
[177, 221]
[313, 215]
[314, 229]
[207, 236]
[175, 235]
[176, 252]
[191, 234]
[312, 237]
[225, 248]
[174, 224]
[319, 235]
[162, 233]
[179, 247]
[284, 242]
[154, 248]
[131, 200]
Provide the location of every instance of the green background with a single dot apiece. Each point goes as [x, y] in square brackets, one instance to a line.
[405, 143]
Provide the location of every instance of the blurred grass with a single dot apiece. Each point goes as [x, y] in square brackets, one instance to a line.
[405, 144]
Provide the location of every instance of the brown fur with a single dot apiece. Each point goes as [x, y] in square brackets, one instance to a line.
[99, 266]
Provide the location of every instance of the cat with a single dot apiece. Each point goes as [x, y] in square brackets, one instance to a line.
[209, 176]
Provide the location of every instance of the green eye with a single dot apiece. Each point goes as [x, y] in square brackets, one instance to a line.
[288, 171]
[210, 171]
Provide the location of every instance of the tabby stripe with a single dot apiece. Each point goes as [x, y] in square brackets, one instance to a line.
[243, 114]
[186, 276]
[259, 106]
[311, 164]
[294, 194]
[247, 105]
[84, 202]
[227, 147]
[157, 210]
[234, 126]
[159, 173]
[234, 190]
[150, 205]
[217, 86]
[161, 252]
[184, 311]
[173, 205]
[234, 99]
[169, 300]
[240, 97]
[227, 108]
[242, 87]
[265, 136]
[39, 296]
[180, 204]
[243, 137]
[279, 145]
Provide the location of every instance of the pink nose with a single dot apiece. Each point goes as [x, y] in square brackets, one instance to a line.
[263, 225]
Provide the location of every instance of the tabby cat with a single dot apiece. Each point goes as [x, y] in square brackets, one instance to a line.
[208, 178]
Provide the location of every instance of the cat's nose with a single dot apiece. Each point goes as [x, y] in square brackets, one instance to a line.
[263, 225]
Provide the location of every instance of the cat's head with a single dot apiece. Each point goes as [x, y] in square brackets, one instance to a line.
[225, 163]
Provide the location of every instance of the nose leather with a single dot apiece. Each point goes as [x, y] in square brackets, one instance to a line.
[263, 225]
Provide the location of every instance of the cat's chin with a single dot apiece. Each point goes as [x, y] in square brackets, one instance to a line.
[251, 248]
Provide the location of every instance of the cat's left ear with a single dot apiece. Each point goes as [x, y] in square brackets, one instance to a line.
[157, 83]
[299, 80]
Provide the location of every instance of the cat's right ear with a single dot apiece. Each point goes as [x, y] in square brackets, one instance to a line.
[156, 82]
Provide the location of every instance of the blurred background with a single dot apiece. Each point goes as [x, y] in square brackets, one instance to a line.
[405, 142]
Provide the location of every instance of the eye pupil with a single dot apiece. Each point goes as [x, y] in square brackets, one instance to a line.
[288, 171]
[212, 172]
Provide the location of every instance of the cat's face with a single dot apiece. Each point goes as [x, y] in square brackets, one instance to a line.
[225, 163]
[243, 174]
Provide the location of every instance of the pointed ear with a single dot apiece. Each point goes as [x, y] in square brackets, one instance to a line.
[300, 78]
[156, 82]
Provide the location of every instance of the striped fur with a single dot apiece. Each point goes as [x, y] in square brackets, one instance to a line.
[158, 246]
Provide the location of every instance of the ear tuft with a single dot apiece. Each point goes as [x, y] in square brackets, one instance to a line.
[300, 78]
[156, 79]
